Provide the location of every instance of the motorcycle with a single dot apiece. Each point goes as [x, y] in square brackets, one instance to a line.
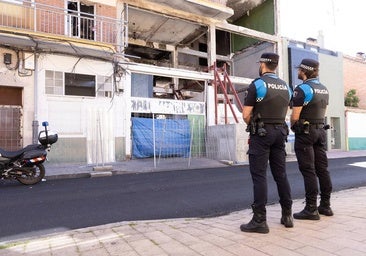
[26, 165]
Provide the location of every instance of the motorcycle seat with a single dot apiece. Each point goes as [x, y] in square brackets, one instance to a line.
[13, 154]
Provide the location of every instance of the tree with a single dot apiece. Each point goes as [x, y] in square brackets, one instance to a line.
[351, 99]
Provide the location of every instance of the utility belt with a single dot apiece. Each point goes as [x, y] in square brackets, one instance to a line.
[259, 127]
[303, 126]
[256, 128]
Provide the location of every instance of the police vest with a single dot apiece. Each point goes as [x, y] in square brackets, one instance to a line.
[316, 101]
[273, 97]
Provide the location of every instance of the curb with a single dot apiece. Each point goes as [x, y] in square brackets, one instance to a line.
[100, 174]
[67, 176]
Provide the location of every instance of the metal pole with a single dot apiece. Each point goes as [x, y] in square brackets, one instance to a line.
[153, 128]
[190, 145]
[162, 140]
[199, 137]
[35, 123]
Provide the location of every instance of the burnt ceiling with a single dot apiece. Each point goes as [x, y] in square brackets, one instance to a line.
[241, 7]
[153, 27]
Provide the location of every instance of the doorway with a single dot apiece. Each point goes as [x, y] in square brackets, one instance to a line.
[11, 113]
[335, 135]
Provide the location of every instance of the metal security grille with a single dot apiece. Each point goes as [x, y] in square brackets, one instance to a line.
[179, 139]
[10, 127]
[177, 129]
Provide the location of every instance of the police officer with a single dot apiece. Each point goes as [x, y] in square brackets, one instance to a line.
[310, 101]
[265, 107]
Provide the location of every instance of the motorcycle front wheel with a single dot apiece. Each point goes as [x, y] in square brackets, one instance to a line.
[34, 176]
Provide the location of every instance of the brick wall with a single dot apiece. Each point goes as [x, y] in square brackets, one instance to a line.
[106, 10]
[55, 3]
[48, 22]
[354, 70]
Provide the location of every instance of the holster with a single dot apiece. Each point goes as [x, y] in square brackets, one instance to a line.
[301, 127]
[251, 128]
[256, 126]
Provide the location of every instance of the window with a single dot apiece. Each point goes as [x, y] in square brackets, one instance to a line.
[60, 83]
[79, 84]
[81, 20]
[54, 82]
[202, 48]
[104, 86]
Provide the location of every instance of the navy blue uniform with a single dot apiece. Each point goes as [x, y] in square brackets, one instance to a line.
[270, 97]
[310, 148]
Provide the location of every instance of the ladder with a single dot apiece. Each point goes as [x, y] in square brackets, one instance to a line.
[222, 84]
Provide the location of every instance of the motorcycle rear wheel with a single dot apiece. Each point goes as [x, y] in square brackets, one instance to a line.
[34, 177]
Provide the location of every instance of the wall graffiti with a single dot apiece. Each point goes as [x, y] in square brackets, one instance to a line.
[161, 106]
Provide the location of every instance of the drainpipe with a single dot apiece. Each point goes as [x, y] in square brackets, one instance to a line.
[35, 118]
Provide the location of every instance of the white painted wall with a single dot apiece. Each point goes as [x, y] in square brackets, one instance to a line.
[99, 120]
[356, 123]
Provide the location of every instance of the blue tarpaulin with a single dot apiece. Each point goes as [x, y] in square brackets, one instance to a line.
[172, 137]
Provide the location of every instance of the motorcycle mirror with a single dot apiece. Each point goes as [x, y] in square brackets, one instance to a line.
[45, 123]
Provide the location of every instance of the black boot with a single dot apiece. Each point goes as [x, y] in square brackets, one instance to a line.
[324, 208]
[310, 212]
[258, 224]
[286, 218]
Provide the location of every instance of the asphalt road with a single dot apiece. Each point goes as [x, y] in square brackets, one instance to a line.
[58, 205]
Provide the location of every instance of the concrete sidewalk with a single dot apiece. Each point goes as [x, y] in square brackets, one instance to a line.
[342, 234]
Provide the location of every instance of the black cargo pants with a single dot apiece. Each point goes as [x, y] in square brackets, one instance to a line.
[312, 159]
[269, 148]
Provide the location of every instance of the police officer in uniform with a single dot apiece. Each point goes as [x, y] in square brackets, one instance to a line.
[265, 107]
[310, 102]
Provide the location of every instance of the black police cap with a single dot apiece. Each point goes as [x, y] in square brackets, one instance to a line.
[269, 57]
[309, 64]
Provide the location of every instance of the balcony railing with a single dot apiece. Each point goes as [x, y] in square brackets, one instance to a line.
[41, 18]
